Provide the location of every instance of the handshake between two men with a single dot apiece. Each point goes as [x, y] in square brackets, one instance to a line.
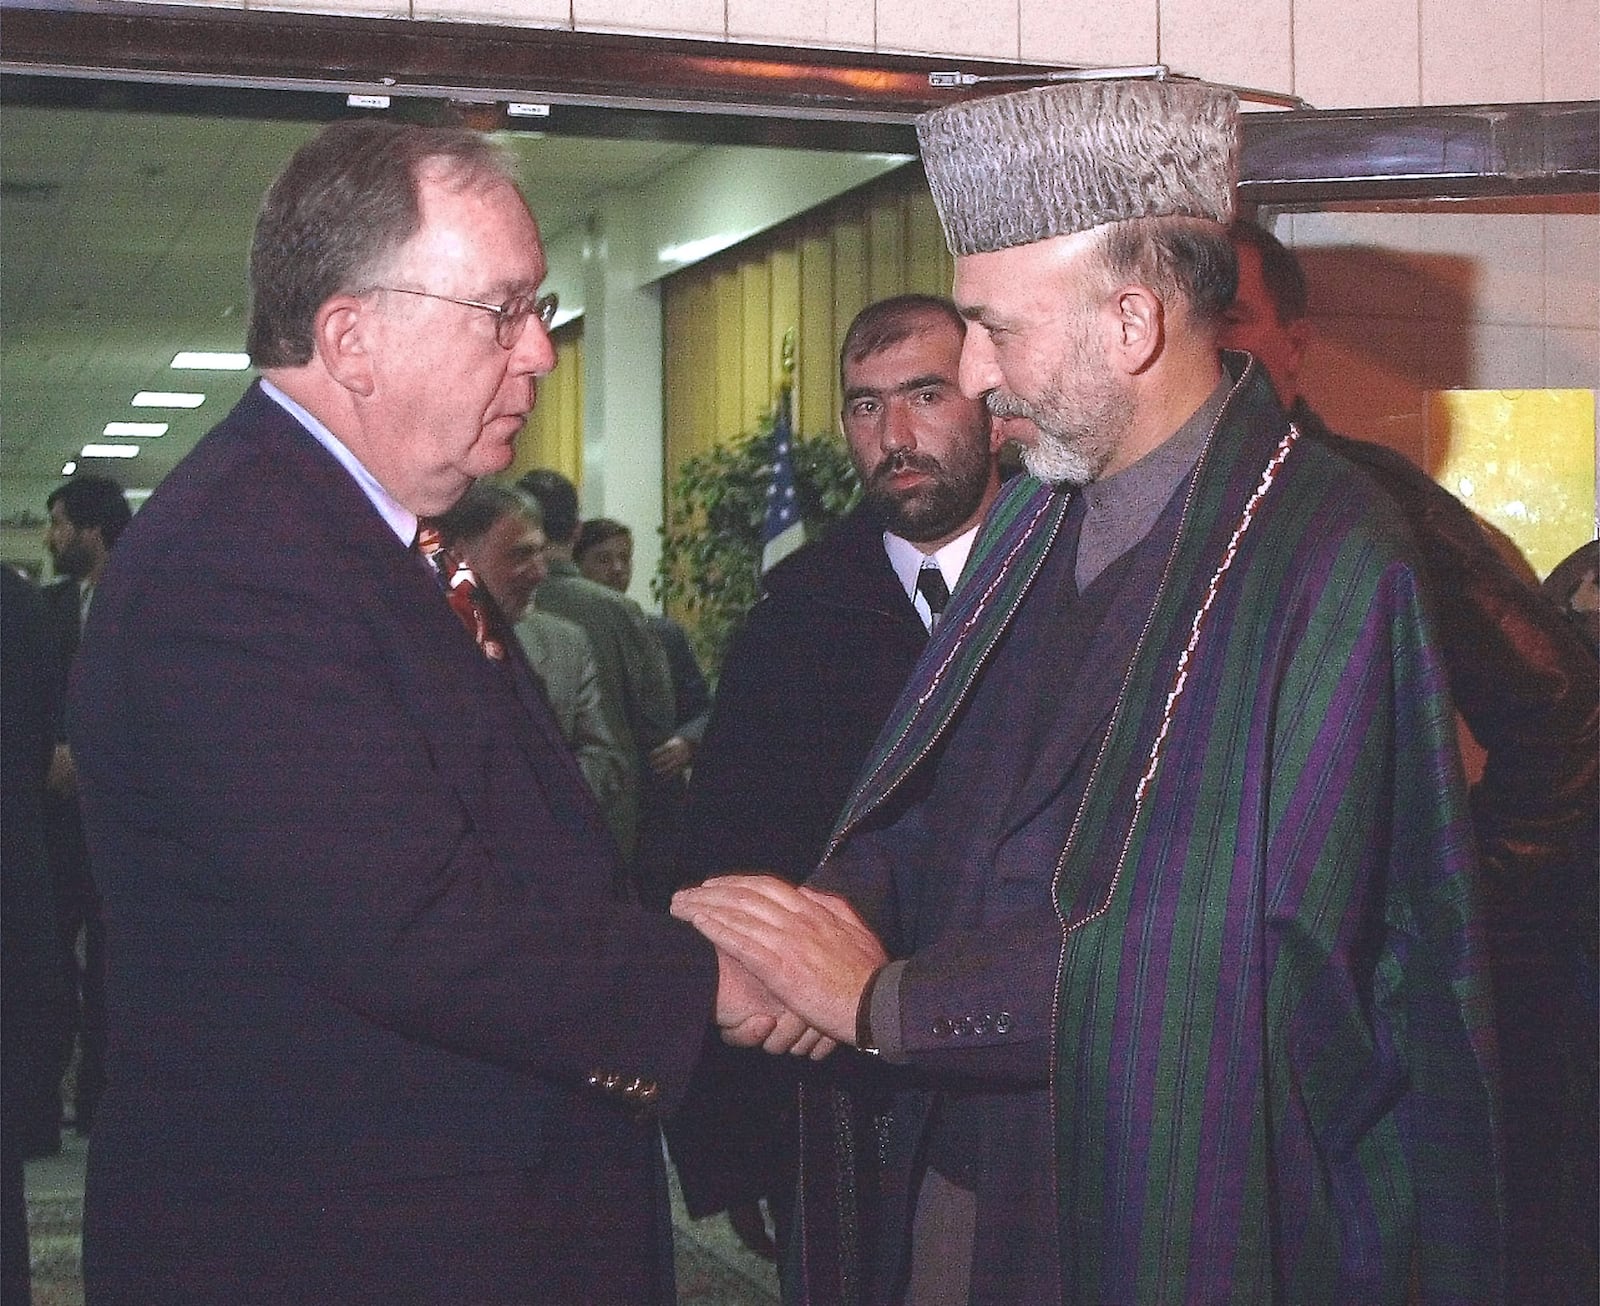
[793, 962]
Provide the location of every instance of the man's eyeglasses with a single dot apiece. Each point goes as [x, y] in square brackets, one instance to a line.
[509, 317]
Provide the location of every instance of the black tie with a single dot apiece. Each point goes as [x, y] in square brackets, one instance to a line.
[930, 584]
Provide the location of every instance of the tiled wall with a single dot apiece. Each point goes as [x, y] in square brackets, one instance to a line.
[1482, 298]
[1335, 53]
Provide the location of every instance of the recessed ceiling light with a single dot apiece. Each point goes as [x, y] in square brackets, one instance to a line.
[109, 451]
[68, 467]
[167, 399]
[147, 430]
[201, 361]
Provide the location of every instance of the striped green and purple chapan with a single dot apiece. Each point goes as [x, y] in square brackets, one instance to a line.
[1274, 1057]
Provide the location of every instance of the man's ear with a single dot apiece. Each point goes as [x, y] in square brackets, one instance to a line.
[340, 335]
[1138, 328]
[1298, 336]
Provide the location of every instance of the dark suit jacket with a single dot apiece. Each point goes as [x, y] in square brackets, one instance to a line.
[63, 825]
[33, 998]
[361, 928]
[804, 687]
[61, 602]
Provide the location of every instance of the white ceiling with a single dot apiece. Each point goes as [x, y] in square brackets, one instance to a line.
[123, 239]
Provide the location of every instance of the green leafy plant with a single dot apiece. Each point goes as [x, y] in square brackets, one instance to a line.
[716, 506]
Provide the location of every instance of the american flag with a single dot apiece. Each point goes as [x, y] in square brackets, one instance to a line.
[783, 532]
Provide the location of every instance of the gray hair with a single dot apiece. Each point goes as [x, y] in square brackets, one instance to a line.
[341, 209]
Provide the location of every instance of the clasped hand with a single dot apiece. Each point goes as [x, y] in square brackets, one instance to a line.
[794, 961]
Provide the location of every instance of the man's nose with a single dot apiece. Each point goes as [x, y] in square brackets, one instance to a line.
[899, 432]
[980, 370]
[534, 351]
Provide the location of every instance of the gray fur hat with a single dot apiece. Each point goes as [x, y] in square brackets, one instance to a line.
[1008, 170]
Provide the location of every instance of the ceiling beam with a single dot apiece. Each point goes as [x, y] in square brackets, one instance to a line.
[189, 59]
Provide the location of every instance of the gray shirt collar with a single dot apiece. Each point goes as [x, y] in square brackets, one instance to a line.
[1120, 509]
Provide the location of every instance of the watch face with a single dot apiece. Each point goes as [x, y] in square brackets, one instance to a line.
[1574, 587]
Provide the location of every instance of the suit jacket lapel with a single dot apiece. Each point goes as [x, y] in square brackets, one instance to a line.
[1007, 555]
[461, 681]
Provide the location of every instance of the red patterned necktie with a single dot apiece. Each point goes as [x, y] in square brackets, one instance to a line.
[461, 588]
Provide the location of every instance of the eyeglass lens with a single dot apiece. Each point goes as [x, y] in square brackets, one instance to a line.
[512, 316]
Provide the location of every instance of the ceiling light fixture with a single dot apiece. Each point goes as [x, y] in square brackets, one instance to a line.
[167, 399]
[200, 360]
[68, 467]
[146, 430]
[109, 451]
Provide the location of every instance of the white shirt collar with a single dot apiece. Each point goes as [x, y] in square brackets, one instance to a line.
[402, 521]
[907, 560]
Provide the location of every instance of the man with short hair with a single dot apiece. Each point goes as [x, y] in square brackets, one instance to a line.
[635, 680]
[1166, 838]
[810, 676]
[499, 533]
[1529, 690]
[380, 1030]
[87, 516]
[821, 658]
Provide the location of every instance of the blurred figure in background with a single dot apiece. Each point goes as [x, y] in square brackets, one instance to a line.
[34, 1017]
[604, 553]
[87, 516]
[635, 679]
[1529, 692]
[499, 533]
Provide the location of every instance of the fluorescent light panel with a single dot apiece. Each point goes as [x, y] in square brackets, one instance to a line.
[68, 467]
[167, 399]
[202, 361]
[110, 451]
[137, 430]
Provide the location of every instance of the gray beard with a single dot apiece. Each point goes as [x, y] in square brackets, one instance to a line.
[1062, 456]
[1055, 461]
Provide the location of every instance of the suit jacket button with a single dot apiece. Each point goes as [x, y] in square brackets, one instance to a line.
[941, 1028]
[650, 1091]
[964, 1026]
[982, 1024]
[611, 1083]
[1002, 1023]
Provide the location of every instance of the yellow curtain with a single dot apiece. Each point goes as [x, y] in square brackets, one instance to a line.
[553, 436]
[724, 320]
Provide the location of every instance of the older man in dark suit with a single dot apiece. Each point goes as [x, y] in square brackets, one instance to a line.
[379, 1030]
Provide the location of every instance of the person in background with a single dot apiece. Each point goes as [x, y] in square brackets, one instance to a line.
[34, 1013]
[1529, 691]
[604, 553]
[807, 682]
[1573, 585]
[635, 678]
[499, 533]
[87, 517]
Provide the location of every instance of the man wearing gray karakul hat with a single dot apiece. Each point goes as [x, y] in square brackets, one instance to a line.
[1166, 841]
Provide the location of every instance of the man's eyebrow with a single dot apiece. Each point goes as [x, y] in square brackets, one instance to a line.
[511, 287]
[929, 381]
[925, 382]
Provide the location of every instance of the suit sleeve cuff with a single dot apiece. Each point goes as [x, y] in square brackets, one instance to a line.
[881, 1004]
